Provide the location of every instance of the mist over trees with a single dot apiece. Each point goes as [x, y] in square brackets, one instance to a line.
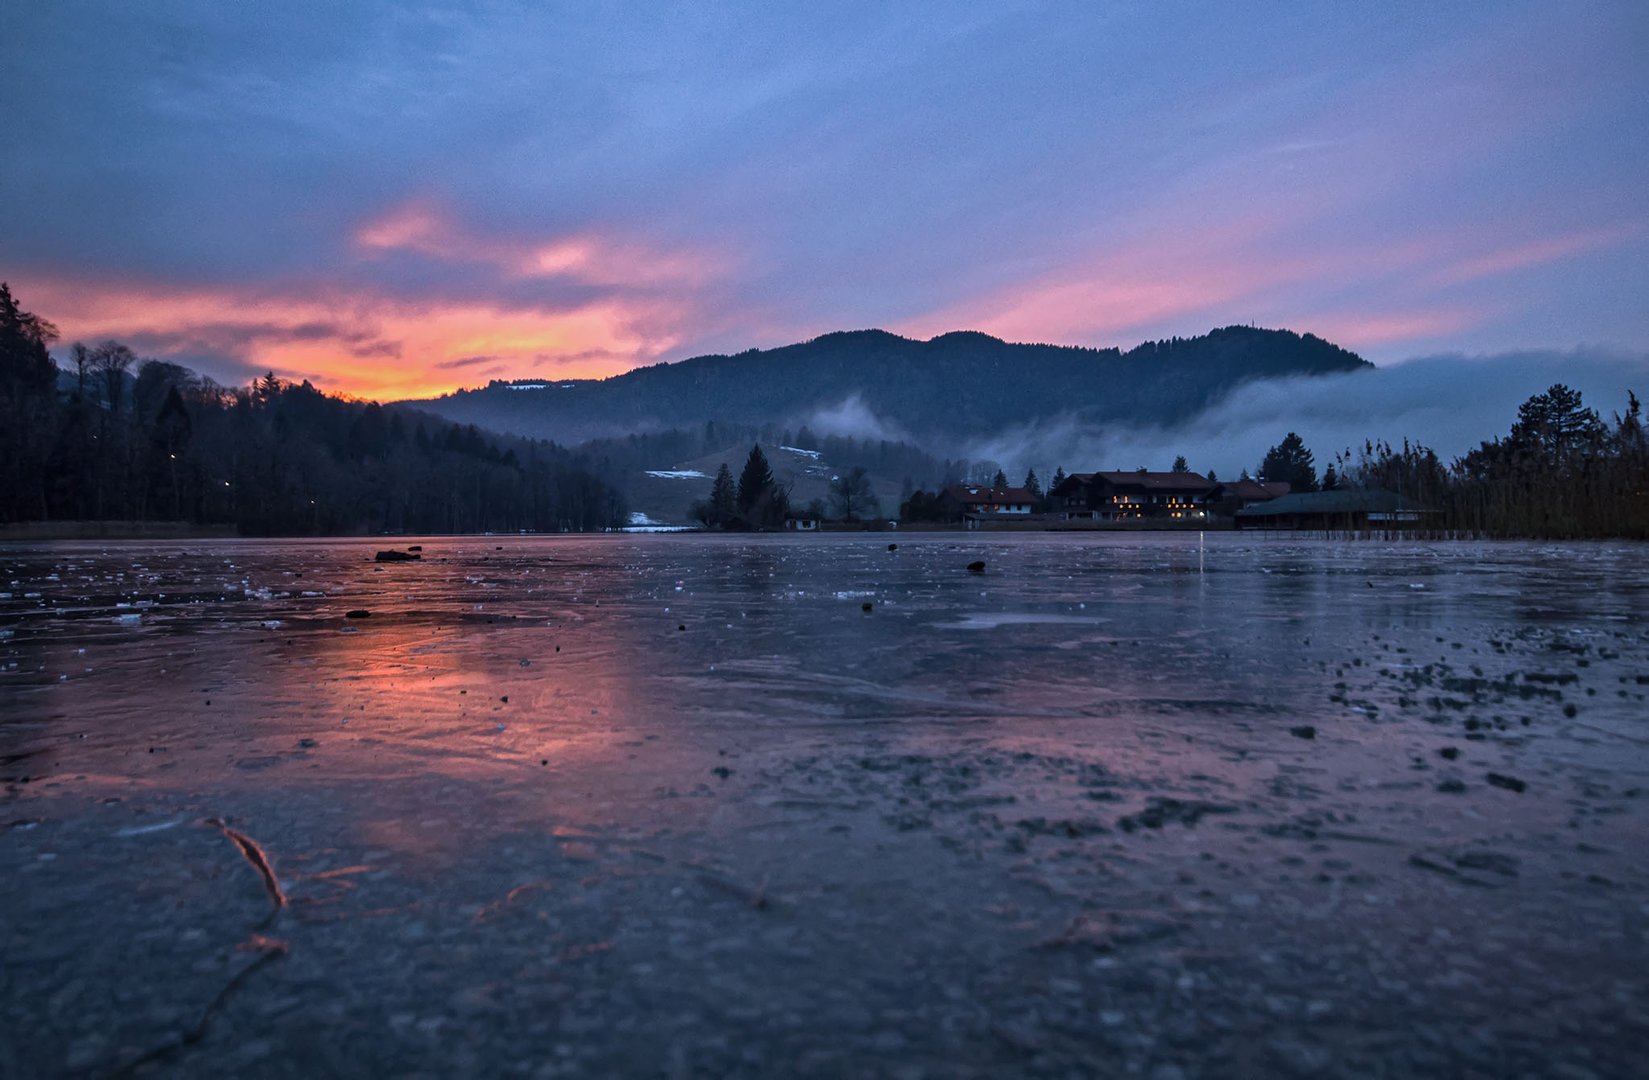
[120, 438]
[150, 441]
[1561, 472]
[945, 393]
[615, 458]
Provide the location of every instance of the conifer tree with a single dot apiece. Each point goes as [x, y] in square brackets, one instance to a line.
[762, 502]
[1290, 462]
[25, 365]
[724, 499]
[1553, 423]
[754, 480]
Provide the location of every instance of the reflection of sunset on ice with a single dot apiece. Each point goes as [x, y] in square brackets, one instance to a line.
[624, 801]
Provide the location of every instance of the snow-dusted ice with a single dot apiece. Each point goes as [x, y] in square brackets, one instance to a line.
[813, 806]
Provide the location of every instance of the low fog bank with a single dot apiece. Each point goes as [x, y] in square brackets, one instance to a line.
[1449, 403]
[852, 418]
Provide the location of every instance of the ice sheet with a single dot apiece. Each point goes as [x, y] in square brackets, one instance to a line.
[683, 804]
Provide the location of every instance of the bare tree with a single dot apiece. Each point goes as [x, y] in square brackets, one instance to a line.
[852, 494]
[82, 367]
[111, 360]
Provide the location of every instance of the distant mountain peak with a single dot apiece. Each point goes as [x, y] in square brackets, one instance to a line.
[838, 337]
[956, 337]
[945, 391]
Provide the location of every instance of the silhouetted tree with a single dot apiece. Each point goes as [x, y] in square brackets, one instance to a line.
[722, 509]
[922, 507]
[761, 500]
[755, 479]
[272, 458]
[851, 494]
[111, 361]
[25, 364]
[1554, 423]
[1560, 472]
[28, 385]
[1180, 465]
[1290, 462]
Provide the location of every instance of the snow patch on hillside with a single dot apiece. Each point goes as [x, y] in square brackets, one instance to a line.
[641, 523]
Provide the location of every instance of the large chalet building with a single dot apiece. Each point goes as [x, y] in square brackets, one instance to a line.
[1132, 496]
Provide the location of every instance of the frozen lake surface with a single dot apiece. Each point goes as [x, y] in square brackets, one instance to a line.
[775, 806]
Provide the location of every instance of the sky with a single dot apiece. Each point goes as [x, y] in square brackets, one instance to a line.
[394, 199]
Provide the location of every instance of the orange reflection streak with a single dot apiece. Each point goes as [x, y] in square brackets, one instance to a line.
[434, 712]
[453, 697]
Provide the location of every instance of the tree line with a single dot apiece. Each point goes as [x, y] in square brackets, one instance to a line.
[757, 501]
[630, 454]
[1561, 472]
[120, 438]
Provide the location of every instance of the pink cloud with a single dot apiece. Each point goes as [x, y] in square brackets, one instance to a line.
[1183, 280]
[589, 257]
[1364, 330]
[1514, 257]
[366, 344]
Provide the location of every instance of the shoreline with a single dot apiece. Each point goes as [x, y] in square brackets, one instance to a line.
[115, 530]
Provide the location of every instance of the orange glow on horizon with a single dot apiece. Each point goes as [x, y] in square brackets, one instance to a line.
[364, 345]
[599, 303]
[622, 305]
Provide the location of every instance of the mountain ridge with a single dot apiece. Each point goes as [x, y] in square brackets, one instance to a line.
[949, 388]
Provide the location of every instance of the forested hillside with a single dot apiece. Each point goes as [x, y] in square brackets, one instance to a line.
[123, 439]
[940, 393]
